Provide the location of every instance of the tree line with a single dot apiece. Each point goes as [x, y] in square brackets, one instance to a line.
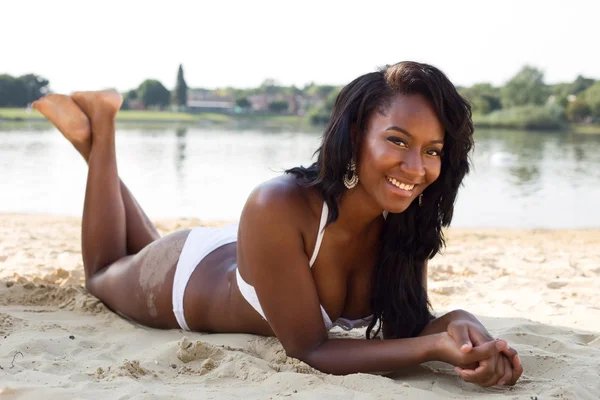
[524, 101]
[22, 90]
[527, 100]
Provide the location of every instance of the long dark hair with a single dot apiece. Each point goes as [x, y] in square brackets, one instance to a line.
[398, 300]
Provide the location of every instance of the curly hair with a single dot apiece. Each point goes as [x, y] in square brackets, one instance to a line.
[399, 301]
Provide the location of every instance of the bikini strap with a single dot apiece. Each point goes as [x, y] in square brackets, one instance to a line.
[320, 233]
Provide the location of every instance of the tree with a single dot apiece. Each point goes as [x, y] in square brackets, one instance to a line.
[592, 97]
[578, 110]
[319, 90]
[484, 98]
[526, 87]
[271, 86]
[580, 84]
[561, 93]
[35, 87]
[21, 91]
[9, 91]
[278, 106]
[243, 102]
[131, 95]
[321, 114]
[152, 93]
[180, 92]
[331, 98]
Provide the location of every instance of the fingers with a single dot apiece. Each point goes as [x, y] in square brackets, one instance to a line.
[506, 350]
[498, 364]
[483, 373]
[508, 372]
[485, 351]
[477, 336]
[509, 352]
[517, 370]
[490, 373]
[460, 333]
[497, 374]
[469, 366]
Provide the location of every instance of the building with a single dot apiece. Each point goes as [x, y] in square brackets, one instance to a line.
[204, 100]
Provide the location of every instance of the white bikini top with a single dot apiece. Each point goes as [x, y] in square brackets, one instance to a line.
[250, 294]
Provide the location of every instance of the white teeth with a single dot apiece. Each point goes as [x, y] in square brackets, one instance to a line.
[400, 185]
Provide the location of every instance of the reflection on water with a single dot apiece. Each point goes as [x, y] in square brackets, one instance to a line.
[519, 179]
[541, 179]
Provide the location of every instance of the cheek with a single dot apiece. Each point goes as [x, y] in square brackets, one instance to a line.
[433, 170]
[373, 157]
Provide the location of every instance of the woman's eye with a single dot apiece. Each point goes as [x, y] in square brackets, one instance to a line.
[434, 152]
[397, 141]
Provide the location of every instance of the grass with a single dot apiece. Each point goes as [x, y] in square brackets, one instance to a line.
[21, 114]
[586, 129]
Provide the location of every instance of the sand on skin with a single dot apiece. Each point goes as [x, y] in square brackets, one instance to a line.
[537, 289]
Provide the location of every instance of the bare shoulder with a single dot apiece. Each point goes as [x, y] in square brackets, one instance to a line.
[280, 200]
[272, 257]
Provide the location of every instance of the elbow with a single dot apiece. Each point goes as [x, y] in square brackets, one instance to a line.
[303, 354]
[314, 358]
[298, 354]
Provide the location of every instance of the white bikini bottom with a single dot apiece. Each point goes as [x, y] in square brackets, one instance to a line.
[200, 242]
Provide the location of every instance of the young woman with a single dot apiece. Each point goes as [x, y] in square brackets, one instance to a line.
[344, 242]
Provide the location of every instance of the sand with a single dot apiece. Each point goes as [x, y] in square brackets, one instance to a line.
[540, 290]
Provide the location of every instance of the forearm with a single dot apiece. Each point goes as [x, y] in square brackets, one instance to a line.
[347, 356]
[440, 324]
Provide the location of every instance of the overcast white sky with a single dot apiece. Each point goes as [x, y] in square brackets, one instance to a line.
[85, 45]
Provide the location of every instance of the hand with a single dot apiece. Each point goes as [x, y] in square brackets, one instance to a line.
[450, 351]
[503, 368]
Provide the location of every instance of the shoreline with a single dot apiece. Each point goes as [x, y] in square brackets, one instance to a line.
[538, 289]
[13, 115]
[16, 115]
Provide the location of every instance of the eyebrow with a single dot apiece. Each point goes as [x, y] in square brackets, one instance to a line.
[407, 133]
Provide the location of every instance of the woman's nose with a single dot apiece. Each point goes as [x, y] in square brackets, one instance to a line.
[412, 164]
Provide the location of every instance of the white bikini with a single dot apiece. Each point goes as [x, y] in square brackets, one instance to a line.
[204, 240]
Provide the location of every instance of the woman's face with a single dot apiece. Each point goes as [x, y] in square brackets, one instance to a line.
[401, 152]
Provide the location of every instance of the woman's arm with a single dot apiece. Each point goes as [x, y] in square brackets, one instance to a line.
[271, 253]
[440, 324]
[347, 356]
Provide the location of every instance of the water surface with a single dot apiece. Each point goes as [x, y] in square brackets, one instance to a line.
[519, 179]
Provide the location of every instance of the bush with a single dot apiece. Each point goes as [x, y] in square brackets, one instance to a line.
[592, 97]
[578, 110]
[279, 106]
[523, 117]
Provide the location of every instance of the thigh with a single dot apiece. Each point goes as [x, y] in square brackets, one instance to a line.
[140, 286]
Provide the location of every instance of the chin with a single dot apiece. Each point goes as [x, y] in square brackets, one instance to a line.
[397, 207]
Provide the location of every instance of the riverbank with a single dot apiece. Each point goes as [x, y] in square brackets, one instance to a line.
[16, 115]
[160, 117]
[535, 288]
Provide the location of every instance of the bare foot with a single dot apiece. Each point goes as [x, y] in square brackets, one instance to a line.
[68, 118]
[100, 104]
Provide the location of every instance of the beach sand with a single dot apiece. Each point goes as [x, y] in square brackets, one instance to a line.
[540, 290]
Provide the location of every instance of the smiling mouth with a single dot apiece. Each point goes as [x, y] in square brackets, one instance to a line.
[404, 186]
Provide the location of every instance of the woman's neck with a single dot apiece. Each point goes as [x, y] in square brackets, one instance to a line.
[357, 211]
